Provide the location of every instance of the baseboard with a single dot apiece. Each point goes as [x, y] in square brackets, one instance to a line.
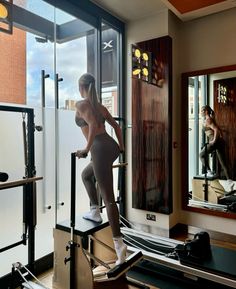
[218, 236]
[185, 230]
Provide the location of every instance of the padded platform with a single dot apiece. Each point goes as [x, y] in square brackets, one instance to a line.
[83, 227]
[167, 278]
[222, 262]
[201, 177]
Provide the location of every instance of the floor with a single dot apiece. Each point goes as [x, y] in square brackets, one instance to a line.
[46, 279]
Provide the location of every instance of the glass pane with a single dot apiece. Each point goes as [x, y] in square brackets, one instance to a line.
[70, 139]
[25, 53]
[11, 200]
[39, 56]
[38, 7]
[110, 80]
[45, 166]
[75, 52]
[76, 46]
[110, 69]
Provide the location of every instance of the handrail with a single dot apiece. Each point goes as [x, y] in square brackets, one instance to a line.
[119, 165]
[18, 183]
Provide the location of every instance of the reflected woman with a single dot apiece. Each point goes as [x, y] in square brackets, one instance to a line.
[90, 117]
[215, 142]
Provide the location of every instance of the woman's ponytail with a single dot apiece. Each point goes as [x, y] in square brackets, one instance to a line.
[87, 81]
[92, 95]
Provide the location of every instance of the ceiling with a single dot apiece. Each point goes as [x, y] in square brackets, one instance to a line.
[130, 10]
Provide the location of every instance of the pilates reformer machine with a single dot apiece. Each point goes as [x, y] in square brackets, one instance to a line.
[81, 246]
[198, 264]
[87, 244]
[191, 260]
[88, 241]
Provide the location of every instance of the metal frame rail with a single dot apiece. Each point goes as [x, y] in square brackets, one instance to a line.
[28, 183]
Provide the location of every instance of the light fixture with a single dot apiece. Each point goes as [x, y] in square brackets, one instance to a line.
[141, 63]
[137, 53]
[145, 56]
[223, 94]
[3, 11]
[6, 16]
[136, 71]
[145, 71]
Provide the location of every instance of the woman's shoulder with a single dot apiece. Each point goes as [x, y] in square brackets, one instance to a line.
[81, 103]
[103, 110]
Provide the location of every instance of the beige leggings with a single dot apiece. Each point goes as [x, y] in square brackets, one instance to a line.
[218, 147]
[104, 152]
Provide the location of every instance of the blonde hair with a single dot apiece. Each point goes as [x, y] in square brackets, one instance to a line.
[87, 81]
[209, 110]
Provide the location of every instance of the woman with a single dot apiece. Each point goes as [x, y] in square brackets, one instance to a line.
[91, 117]
[215, 141]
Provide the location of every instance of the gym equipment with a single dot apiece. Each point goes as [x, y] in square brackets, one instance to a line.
[18, 267]
[18, 183]
[28, 183]
[86, 243]
[217, 198]
[218, 264]
[209, 192]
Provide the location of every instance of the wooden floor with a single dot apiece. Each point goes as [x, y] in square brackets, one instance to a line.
[46, 279]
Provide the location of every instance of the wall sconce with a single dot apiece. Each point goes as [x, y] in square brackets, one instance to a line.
[141, 64]
[146, 67]
[6, 16]
[225, 94]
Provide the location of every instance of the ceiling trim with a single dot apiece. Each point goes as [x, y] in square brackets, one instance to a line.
[218, 7]
[185, 6]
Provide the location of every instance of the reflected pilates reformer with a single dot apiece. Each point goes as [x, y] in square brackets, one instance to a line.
[208, 190]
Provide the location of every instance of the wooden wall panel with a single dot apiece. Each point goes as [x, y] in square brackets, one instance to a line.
[226, 119]
[152, 134]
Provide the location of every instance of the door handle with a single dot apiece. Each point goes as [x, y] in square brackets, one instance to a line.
[58, 79]
[43, 102]
[43, 77]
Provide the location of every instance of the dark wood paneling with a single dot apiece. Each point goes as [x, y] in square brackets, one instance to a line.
[151, 134]
[226, 119]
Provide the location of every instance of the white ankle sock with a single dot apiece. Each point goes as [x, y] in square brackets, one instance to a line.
[229, 185]
[120, 249]
[93, 214]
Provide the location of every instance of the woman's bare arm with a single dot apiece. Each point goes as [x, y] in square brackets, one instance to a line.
[106, 114]
[212, 125]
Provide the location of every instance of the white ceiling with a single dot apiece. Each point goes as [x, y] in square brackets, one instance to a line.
[130, 10]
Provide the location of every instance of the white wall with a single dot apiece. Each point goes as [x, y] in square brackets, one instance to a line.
[203, 43]
[209, 41]
[174, 25]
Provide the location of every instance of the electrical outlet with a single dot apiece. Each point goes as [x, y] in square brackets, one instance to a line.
[151, 217]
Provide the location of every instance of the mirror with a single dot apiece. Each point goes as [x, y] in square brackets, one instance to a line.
[209, 135]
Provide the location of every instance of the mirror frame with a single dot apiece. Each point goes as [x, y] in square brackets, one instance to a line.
[184, 123]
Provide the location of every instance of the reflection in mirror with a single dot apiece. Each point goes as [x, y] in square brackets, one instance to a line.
[211, 141]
